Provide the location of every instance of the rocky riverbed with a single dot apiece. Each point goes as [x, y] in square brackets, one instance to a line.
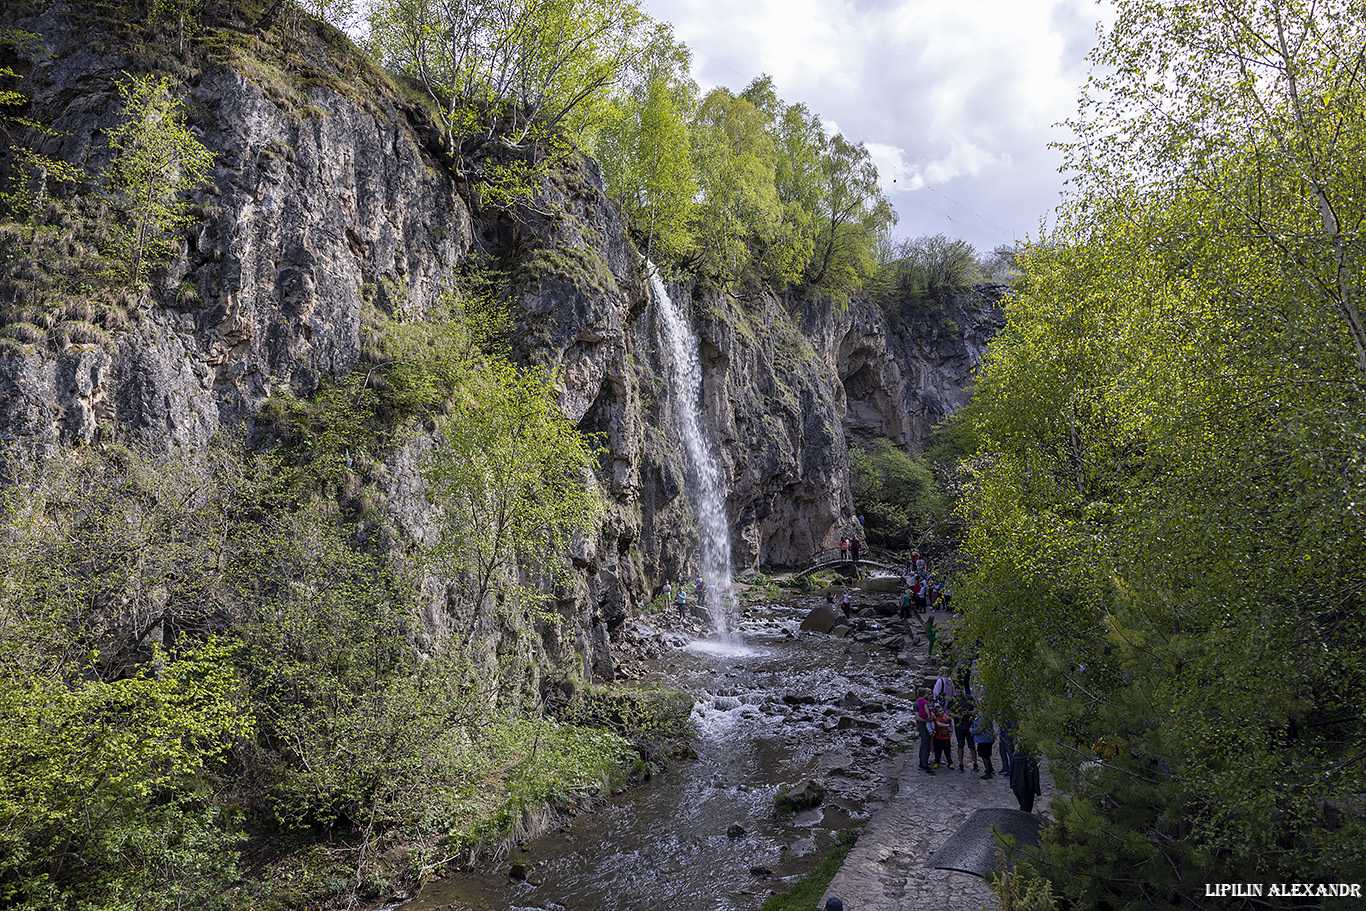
[814, 721]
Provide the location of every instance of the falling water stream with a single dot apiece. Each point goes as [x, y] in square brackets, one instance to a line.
[708, 492]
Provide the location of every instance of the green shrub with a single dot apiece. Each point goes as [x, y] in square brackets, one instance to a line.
[898, 495]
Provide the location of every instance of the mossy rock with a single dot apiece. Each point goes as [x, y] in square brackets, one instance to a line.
[789, 801]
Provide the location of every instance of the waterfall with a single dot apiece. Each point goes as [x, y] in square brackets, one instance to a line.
[704, 472]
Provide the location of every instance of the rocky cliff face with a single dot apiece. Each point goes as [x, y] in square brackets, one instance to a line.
[329, 204]
[320, 207]
[904, 371]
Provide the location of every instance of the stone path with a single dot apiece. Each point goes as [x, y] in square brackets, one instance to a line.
[886, 870]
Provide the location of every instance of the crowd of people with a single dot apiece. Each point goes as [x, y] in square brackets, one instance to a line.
[702, 594]
[947, 713]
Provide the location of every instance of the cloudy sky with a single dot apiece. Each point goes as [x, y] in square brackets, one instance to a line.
[957, 100]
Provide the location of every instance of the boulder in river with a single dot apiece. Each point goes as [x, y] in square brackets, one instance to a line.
[822, 617]
[790, 801]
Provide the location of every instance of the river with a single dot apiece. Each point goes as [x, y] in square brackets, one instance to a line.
[775, 707]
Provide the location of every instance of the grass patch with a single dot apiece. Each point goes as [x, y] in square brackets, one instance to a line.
[808, 890]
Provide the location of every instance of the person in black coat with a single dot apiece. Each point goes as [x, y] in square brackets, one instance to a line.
[1024, 779]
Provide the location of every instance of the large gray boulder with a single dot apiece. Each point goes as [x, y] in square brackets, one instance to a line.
[822, 618]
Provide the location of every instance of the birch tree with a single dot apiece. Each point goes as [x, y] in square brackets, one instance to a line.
[1256, 104]
[157, 160]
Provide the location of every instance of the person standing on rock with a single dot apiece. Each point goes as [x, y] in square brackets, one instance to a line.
[905, 612]
[682, 603]
[847, 604]
[931, 636]
[668, 592]
[924, 718]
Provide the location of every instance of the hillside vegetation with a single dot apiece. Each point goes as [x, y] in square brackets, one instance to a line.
[1167, 515]
[219, 687]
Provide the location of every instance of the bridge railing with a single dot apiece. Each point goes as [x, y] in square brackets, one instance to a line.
[876, 554]
[832, 558]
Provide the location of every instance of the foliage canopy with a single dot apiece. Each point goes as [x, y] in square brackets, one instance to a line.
[1166, 516]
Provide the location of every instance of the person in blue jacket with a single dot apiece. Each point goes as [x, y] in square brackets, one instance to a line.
[984, 735]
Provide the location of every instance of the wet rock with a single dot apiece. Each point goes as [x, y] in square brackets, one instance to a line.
[736, 831]
[518, 872]
[858, 648]
[761, 872]
[822, 618]
[789, 801]
[799, 699]
[841, 632]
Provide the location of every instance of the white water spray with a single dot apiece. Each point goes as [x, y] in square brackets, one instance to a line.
[704, 472]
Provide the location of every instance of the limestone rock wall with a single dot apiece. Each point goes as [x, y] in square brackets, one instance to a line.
[320, 208]
[904, 369]
[326, 207]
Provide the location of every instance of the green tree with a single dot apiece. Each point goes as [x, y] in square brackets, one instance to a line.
[926, 269]
[1258, 106]
[1168, 553]
[511, 476]
[738, 210]
[118, 704]
[183, 13]
[797, 177]
[853, 214]
[901, 501]
[502, 72]
[1165, 520]
[341, 13]
[644, 149]
[156, 161]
